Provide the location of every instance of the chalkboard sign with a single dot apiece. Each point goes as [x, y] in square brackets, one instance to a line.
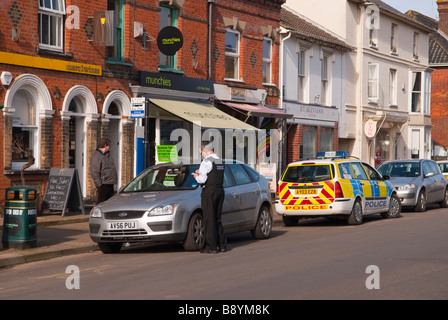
[63, 190]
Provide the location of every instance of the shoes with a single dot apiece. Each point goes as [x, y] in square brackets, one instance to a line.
[208, 251]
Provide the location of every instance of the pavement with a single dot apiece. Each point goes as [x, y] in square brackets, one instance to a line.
[58, 235]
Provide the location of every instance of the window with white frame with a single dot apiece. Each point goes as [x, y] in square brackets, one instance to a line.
[232, 52]
[416, 98]
[51, 24]
[373, 35]
[393, 38]
[392, 87]
[301, 76]
[415, 46]
[267, 60]
[324, 80]
[372, 86]
[427, 93]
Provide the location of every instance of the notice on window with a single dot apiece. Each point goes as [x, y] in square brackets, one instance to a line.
[167, 153]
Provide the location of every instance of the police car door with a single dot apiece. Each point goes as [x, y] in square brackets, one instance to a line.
[379, 202]
[369, 190]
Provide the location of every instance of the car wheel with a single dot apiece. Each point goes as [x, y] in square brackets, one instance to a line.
[421, 202]
[289, 221]
[110, 247]
[444, 203]
[355, 216]
[195, 233]
[263, 227]
[394, 208]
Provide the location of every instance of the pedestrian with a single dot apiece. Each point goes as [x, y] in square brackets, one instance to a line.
[103, 171]
[211, 175]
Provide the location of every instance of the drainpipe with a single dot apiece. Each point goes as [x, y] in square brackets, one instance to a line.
[210, 5]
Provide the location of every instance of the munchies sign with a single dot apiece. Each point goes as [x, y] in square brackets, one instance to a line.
[170, 40]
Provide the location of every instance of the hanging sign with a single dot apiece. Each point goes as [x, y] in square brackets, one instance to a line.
[170, 40]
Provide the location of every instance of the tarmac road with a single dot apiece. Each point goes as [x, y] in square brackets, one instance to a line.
[319, 259]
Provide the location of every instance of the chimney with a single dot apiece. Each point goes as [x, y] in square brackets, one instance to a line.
[442, 7]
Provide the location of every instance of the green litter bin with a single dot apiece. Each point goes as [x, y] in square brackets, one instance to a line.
[20, 218]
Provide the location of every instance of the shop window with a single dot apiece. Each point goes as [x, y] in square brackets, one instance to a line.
[267, 60]
[167, 17]
[51, 24]
[232, 52]
[116, 52]
[326, 139]
[24, 130]
[309, 142]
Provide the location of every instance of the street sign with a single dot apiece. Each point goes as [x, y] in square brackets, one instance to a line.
[137, 107]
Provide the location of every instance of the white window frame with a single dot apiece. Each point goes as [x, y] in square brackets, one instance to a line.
[373, 82]
[394, 38]
[393, 87]
[52, 13]
[373, 37]
[415, 46]
[235, 56]
[267, 61]
[325, 75]
[301, 74]
[419, 108]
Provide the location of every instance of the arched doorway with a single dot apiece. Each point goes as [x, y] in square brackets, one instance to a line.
[79, 108]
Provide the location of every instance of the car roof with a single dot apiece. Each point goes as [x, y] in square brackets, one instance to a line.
[324, 161]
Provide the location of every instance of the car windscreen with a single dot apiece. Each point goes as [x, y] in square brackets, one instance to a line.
[164, 178]
[400, 169]
[308, 173]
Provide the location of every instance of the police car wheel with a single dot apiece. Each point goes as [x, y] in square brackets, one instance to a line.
[290, 221]
[355, 216]
[394, 208]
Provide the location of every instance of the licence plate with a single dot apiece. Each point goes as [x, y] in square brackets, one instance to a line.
[305, 192]
[122, 225]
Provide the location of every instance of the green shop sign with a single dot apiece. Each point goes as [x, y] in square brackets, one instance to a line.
[175, 82]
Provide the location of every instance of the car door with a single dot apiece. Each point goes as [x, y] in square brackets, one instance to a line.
[231, 206]
[369, 190]
[248, 191]
[439, 179]
[430, 182]
[380, 199]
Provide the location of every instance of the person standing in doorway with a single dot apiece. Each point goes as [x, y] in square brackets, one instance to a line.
[103, 171]
[211, 175]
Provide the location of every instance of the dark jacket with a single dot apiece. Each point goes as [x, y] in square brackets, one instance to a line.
[102, 168]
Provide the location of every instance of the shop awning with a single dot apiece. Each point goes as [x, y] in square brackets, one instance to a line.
[203, 114]
[257, 110]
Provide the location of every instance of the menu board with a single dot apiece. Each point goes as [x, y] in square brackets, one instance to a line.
[63, 190]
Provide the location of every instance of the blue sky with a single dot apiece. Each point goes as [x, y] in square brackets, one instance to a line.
[426, 7]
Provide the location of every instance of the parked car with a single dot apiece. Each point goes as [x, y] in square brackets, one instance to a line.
[334, 185]
[443, 166]
[163, 203]
[418, 182]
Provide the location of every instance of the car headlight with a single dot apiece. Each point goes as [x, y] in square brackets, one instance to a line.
[406, 187]
[163, 210]
[96, 213]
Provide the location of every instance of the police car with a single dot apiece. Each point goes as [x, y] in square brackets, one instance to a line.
[334, 185]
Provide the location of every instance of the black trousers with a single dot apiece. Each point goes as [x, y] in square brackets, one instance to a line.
[105, 192]
[212, 200]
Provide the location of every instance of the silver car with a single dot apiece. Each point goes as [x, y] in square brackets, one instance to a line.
[163, 203]
[418, 182]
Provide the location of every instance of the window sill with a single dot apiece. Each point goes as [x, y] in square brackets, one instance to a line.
[372, 101]
[55, 52]
[233, 80]
[29, 171]
[119, 62]
[169, 69]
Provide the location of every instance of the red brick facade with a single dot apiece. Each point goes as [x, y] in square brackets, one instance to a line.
[52, 88]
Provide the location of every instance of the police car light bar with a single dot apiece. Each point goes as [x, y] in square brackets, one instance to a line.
[332, 154]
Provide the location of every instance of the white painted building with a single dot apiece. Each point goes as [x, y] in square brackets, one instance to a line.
[312, 76]
[386, 112]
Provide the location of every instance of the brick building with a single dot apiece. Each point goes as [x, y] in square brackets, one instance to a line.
[70, 68]
[438, 61]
